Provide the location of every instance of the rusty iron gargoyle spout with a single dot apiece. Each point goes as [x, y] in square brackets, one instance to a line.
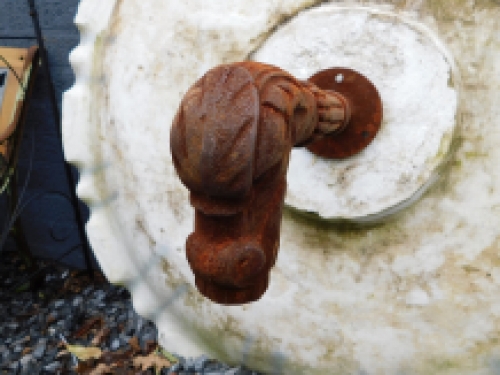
[230, 142]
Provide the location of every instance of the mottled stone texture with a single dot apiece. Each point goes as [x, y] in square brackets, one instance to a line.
[49, 218]
[416, 294]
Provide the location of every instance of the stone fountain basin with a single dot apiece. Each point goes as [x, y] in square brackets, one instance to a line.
[403, 277]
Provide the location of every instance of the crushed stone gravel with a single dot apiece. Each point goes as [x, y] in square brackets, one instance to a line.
[62, 304]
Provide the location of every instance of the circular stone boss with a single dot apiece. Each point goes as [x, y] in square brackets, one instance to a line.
[416, 295]
[412, 73]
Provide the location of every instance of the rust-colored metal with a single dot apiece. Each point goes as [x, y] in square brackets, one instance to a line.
[231, 141]
[366, 113]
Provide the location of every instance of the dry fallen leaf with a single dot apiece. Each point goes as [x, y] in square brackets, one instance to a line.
[90, 323]
[83, 353]
[51, 319]
[150, 346]
[151, 360]
[26, 350]
[115, 363]
[103, 369]
[100, 336]
[85, 367]
[134, 344]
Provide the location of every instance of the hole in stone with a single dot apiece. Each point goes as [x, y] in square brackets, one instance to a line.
[339, 78]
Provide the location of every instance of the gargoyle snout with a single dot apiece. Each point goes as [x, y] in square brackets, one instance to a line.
[236, 264]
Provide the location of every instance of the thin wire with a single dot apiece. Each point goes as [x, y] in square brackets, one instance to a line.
[13, 72]
[19, 208]
[28, 176]
[9, 224]
[5, 176]
[8, 171]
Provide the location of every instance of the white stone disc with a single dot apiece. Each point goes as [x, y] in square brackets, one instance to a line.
[417, 294]
[415, 78]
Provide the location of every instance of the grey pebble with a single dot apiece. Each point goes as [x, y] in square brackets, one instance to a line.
[14, 366]
[99, 295]
[77, 301]
[113, 303]
[39, 349]
[149, 336]
[52, 367]
[66, 311]
[139, 323]
[200, 362]
[50, 354]
[28, 369]
[176, 367]
[189, 364]
[115, 344]
[52, 316]
[50, 277]
[122, 317]
[7, 358]
[180, 358]
[35, 332]
[130, 327]
[124, 338]
[21, 340]
[24, 361]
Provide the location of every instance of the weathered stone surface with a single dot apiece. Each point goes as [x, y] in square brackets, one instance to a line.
[419, 85]
[417, 294]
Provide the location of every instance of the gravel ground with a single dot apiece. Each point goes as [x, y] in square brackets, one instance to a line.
[64, 304]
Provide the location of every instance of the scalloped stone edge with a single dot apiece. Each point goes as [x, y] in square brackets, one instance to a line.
[92, 20]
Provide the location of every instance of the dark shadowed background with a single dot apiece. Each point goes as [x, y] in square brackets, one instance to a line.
[49, 219]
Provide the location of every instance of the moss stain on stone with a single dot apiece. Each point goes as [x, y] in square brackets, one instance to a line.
[344, 236]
